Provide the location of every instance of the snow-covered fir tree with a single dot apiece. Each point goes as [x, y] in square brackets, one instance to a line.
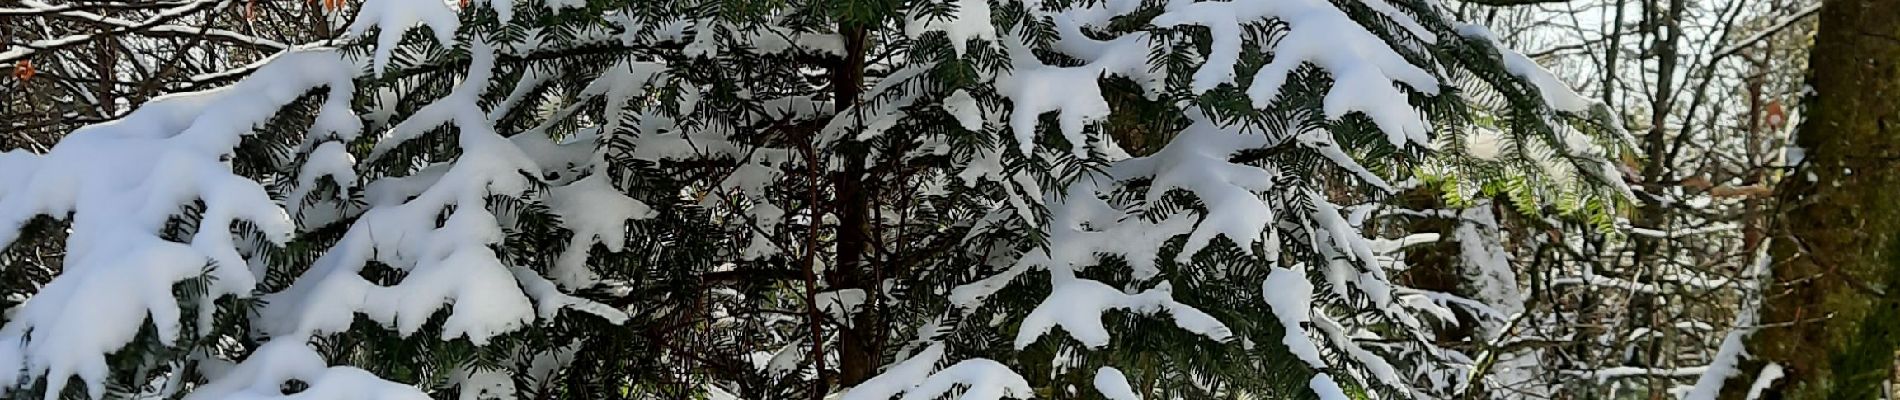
[859, 199]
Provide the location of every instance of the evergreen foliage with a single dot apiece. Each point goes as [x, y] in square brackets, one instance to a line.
[958, 184]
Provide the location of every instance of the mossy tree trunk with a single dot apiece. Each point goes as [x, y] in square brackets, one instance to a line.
[1829, 315]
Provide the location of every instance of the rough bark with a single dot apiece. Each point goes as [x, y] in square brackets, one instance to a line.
[858, 344]
[1663, 18]
[1828, 319]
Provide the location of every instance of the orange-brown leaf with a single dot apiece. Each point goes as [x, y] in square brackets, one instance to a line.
[23, 70]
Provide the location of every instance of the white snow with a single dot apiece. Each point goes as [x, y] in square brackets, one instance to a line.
[1291, 296]
[1555, 92]
[840, 304]
[1197, 160]
[394, 17]
[621, 83]
[121, 180]
[882, 115]
[550, 300]
[979, 379]
[1077, 306]
[263, 375]
[1326, 388]
[1033, 87]
[1487, 266]
[968, 113]
[1485, 143]
[597, 213]
[1382, 371]
[900, 377]
[1364, 68]
[1113, 385]
[1769, 374]
[917, 378]
[485, 385]
[969, 20]
[1729, 355]
[448, 265]
[1322, 141]
[329, 160]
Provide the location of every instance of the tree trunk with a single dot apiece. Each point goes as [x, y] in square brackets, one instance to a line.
[858, 345]
[1828, 320]
[1664, 20]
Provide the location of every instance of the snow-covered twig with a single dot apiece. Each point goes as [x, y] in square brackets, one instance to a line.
[22, 51]
[1768, 32]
